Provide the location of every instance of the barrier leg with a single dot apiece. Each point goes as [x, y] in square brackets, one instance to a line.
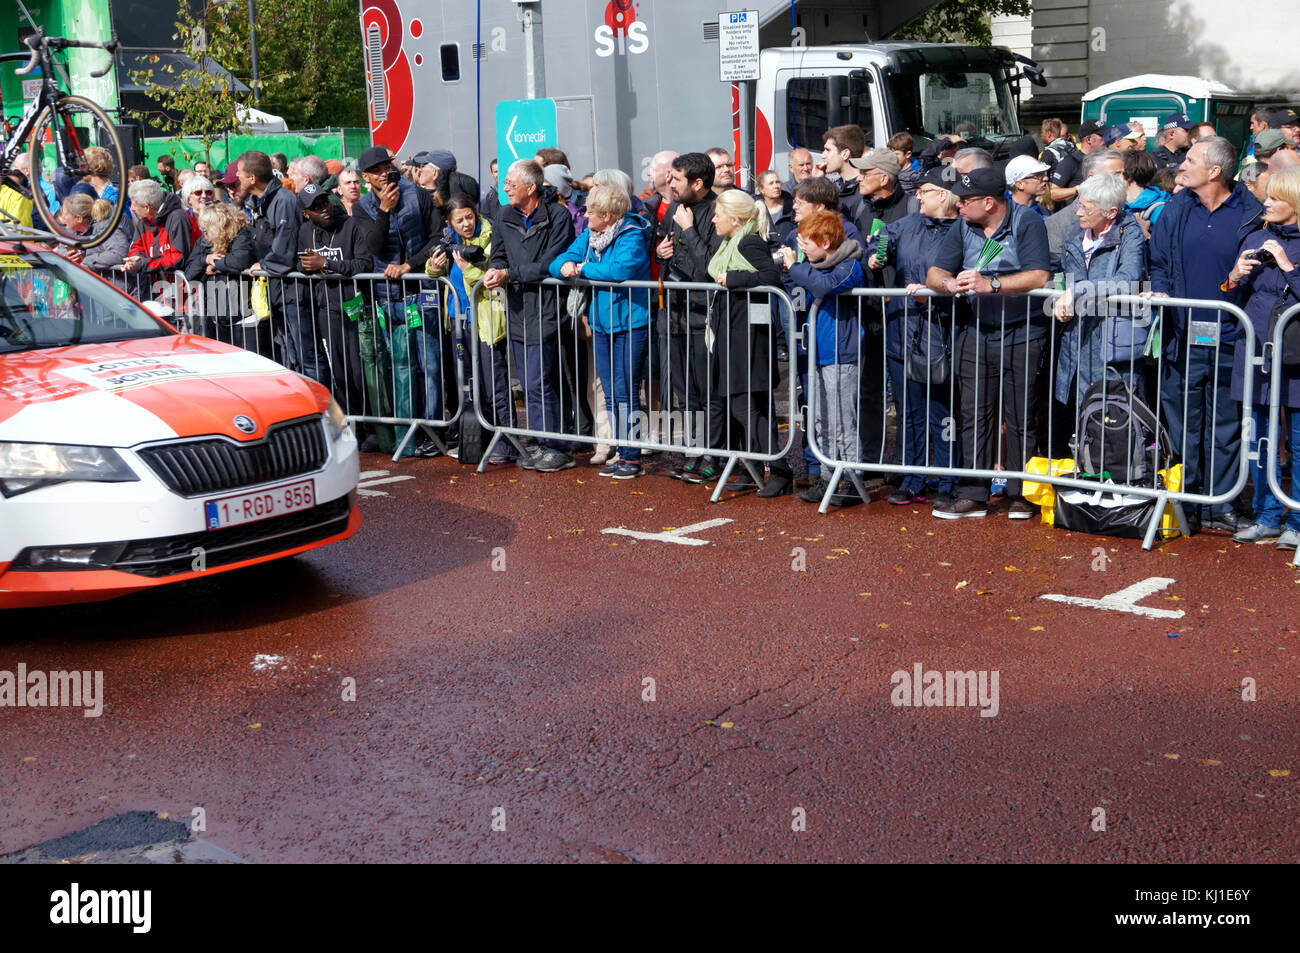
[1153, 526]
[830, 490]
[410, 432]
[722, 479]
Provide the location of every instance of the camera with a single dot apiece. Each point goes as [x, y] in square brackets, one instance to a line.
[1264, 257]
[392, 177]
[471, 253]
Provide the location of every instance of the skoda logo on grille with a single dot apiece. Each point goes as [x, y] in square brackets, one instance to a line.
[245, 424]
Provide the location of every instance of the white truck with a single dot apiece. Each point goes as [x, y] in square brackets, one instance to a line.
[630, 78]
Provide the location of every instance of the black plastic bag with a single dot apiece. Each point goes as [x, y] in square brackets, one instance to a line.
[1103, 514]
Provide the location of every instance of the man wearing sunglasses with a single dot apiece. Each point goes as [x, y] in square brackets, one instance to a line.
[990, 258]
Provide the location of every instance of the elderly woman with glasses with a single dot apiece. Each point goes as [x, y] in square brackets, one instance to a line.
[197, 194]
[1105, 252]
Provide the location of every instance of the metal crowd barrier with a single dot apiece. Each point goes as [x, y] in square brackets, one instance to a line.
[1033, 393]
[1273, 455]
[385, 347]
[703, 379]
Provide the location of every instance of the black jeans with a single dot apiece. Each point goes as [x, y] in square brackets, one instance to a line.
[992, 378]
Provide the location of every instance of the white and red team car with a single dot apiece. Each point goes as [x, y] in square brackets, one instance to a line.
[132, 456]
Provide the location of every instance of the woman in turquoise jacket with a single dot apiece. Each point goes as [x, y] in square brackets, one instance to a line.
[616, 247]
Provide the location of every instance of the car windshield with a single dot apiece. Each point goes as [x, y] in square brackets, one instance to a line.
[975, 105]
[46, 301]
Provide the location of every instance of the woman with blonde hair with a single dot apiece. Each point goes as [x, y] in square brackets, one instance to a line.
[615, 246]
[743, 350]
[112, 251]
[1266, 281]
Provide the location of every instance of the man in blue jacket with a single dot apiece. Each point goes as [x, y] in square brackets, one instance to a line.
[1193, 247]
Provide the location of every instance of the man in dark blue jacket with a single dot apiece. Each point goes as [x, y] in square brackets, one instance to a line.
[527, 236]
[276, 218]
[1193, 247]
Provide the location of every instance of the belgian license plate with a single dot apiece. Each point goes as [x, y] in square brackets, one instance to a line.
[260, 504]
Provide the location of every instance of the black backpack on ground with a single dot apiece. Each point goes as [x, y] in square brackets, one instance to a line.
[1119, 435]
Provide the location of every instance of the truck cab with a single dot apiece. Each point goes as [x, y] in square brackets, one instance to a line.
[927, 89]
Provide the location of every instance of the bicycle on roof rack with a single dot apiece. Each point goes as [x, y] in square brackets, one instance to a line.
[59, 128]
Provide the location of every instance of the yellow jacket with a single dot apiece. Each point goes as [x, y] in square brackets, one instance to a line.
[491, 321]
[14, 206]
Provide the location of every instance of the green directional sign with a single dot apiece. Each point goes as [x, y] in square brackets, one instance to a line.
[523, 127]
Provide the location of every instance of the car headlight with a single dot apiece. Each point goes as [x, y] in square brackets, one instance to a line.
[29, 466]
[336, 422]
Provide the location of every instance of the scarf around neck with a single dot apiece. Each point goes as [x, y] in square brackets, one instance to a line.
[728, 257]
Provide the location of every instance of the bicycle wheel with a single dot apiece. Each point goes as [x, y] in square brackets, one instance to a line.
[59, 142]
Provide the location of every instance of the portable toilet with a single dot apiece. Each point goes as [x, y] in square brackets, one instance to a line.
[1148, 98]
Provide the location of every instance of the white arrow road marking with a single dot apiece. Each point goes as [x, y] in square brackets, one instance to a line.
[510, 136]
[1126, 599]
[376, 478]
[678, 535]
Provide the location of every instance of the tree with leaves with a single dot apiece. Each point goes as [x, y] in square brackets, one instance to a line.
[961, 21]
[310, 61]
[197, 102]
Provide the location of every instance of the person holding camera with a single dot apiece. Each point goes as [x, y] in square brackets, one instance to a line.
[462, 256]
[1265, 281]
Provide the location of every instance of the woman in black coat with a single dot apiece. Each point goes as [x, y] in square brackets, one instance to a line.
[741, 332]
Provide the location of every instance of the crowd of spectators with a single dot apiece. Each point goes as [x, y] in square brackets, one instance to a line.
[1188, 218]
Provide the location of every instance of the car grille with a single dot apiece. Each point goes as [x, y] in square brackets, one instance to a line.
[201, 467]
[171, 555]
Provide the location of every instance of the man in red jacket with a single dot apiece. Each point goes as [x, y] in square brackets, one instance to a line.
[164, 233]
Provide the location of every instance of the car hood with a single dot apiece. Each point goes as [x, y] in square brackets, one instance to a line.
[123, 393]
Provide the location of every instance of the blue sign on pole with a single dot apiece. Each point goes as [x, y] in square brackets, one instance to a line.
[523, 127]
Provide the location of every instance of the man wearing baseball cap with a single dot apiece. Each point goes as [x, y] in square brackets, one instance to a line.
[1122, 137]
[334, 246]
[998, 249]
[1026, 179]
[1177, 128]
[405, 224]
[1068, 172]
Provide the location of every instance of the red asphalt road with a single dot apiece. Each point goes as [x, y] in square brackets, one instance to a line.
[522, 689]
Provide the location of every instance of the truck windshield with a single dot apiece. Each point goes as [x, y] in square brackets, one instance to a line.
[975, 105]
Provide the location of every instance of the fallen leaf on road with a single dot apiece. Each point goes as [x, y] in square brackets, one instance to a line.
[1011, 569]
[256, 724]
[883, 625]
[945, 564]
[29, 759]
[1208, 762]
[1035, 628]
[727, 724]
[961, 585]
[1278, 772]
[1172, 757]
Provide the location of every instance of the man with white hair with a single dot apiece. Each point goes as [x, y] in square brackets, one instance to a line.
[527, 237]
[307, 170]
[1194, 246]
[164, 231]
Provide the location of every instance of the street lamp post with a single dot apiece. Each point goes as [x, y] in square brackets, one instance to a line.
[252, 37]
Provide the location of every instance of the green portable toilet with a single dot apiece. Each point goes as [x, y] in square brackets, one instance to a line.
[1148, 98]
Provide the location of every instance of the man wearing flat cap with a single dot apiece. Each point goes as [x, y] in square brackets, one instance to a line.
[990, 258]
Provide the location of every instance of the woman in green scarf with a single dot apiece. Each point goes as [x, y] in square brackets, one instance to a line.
[740, 323]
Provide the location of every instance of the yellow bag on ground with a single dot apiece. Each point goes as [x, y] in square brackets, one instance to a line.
[1043, 495]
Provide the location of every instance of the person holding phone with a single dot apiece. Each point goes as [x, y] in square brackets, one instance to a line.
[1265, 281]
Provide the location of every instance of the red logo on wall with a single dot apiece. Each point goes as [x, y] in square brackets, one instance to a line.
[389, 85]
